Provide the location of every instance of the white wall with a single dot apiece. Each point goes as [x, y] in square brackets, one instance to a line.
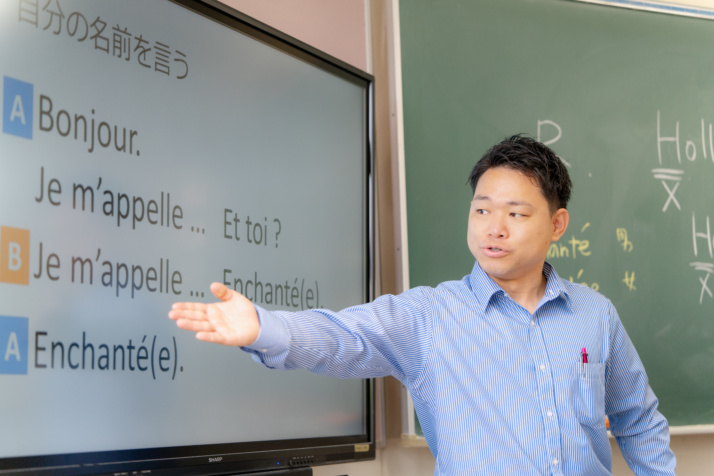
[338, 28]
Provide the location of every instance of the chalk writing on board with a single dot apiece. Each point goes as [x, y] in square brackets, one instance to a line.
[578, 246]
[707, 236]
[579, 276]
[552, 140]
[692, 151]
[707, 268]
[629, 280]
[669, 177]
[674, 153]
[623, 239]
[627, 247]
[690, 147]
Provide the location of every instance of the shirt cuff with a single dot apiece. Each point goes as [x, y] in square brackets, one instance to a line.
[273, 337]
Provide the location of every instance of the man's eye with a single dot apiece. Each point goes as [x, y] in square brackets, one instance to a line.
[481, 211]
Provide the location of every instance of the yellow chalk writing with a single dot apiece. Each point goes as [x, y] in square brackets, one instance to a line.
[629, 280]
[594, 286]
[624, 240]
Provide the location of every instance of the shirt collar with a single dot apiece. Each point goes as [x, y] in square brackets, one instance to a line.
[485, 288]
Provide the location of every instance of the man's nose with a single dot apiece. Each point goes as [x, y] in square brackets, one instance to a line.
[497, 227]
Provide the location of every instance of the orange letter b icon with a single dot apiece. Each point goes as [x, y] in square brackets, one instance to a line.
[14, 255]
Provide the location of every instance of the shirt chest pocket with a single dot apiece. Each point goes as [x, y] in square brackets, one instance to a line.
[588, 394]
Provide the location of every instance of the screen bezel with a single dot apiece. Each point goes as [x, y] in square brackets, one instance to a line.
[247, 456]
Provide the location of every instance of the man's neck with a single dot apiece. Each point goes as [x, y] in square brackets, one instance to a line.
[526, 292]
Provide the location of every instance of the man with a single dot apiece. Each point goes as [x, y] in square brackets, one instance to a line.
[512, 370]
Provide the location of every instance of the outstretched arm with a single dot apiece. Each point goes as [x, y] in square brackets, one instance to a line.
[231, 321]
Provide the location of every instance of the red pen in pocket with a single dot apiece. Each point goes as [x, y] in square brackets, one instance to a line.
[584, 359]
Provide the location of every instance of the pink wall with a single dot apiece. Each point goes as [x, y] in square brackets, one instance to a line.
[336, 27]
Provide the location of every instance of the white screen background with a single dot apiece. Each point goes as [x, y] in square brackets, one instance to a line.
[248, 129]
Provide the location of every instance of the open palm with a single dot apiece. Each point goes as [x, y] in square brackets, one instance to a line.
[231, 321]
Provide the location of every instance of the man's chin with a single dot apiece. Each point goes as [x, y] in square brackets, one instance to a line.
[495, 272]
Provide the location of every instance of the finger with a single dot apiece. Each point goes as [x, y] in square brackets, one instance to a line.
[189, 306]
[221, 291]
[195, 326]
[193, 315]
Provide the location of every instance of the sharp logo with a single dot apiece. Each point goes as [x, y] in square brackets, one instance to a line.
[17, 107]
[13, 345]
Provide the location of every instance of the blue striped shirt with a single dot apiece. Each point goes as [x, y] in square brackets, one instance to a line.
[498, 391]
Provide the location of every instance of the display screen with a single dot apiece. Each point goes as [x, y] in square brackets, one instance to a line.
[148, 149]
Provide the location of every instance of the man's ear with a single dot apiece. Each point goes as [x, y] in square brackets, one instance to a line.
[560, 220]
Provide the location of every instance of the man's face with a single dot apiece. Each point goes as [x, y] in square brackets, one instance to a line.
[511, 227]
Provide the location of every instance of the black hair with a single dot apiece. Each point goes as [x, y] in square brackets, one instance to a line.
[534, 160]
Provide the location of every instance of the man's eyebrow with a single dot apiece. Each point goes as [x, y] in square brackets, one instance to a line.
[515, 203]
[519, 203]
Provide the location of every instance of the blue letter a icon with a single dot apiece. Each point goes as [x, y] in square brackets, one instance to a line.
[17, 108]
[13, 345]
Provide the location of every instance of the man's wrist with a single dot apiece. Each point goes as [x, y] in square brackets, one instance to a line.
[273, 336]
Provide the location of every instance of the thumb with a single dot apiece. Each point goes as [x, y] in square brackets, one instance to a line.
[221, 291]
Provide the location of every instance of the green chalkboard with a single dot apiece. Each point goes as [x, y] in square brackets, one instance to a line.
[627, 99]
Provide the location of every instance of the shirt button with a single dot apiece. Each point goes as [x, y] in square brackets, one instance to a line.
[542, 367]
[532, 323]
[550, 414]
[555, 462]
